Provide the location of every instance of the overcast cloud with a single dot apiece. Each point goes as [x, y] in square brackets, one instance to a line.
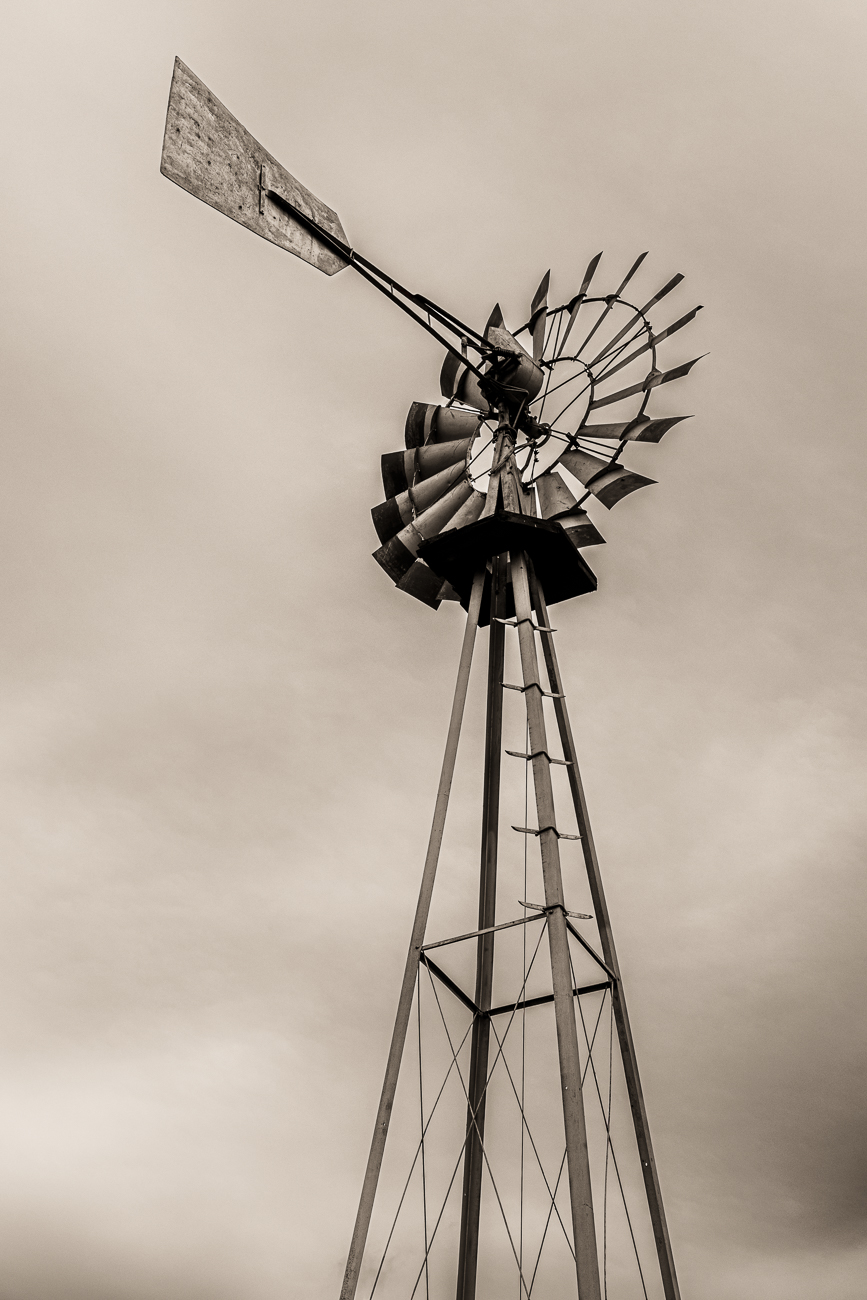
[222, 726]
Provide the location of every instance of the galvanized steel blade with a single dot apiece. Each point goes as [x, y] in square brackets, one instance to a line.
[652, 381]
[657, 297]
[578, 300]
[649, 342]
[611, 299]
[538, 317]
[495, 320]
[642, 429]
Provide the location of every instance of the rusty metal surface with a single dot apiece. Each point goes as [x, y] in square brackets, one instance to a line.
[423, 583]
[554, 496]
[582, 465]
[581, 530]
[608, 483]
[211, 155]
[468, 513]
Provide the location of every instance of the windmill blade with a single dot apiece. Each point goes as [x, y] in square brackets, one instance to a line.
[209, 153]
[657, 297]
[539, 317]
[468, 513]
[610, 301]
[653, 380]
[423, 583]
[608, 483]
[649, 342]
[579, 299]
[458, 381]
[401, 470]
[641, 430]
[495, 320]
[399, 552]
[581, 530]
[557, 502]
[554, 496]
[394, 514]
[427, 423]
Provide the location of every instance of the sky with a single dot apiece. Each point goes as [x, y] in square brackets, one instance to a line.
[222, 726]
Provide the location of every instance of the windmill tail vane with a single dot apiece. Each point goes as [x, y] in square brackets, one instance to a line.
[487, 505]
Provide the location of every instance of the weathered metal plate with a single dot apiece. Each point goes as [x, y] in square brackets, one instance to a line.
[211, 155]
[554, 496]
[456, 554]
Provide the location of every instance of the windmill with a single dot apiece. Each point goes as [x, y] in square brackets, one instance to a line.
[486, 505]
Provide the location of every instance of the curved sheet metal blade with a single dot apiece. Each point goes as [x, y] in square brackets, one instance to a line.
[538, 317]
[649, 341]
[641, 430]
[211, 155]
[657, 297]
[609, 302]
[652, 381]
[579, 298]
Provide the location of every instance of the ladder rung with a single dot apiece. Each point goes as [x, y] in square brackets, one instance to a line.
[540, 753]
[532, 830]
[508, 686]
[541, 907]
[516, 622]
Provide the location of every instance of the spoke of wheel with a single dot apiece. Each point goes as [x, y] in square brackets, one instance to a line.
[610, 368]
[570, 379]
[610, 357]
[642, 313]
[580, 393]
[550, 372]
[581, 295]
[612, 300]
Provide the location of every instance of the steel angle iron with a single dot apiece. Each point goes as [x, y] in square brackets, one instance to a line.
[487, 505]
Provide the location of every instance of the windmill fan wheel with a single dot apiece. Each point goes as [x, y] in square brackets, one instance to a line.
[536, 410]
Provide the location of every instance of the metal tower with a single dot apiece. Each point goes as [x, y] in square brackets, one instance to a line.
[477, 511]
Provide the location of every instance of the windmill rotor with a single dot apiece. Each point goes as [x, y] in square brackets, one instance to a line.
[539, 406]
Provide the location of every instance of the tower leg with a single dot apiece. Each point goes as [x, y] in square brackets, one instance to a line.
[410, 974]
[621, 1016]
[583, 1225]
[468, 1252]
